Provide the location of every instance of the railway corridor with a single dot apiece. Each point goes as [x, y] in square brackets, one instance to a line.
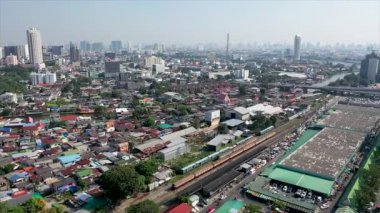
[164, 195]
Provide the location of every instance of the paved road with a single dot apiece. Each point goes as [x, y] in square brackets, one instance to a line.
[167, 197]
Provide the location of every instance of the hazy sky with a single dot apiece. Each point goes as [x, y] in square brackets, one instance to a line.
[190, 22]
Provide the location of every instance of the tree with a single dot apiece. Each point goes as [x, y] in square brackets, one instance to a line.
[223, 128]
[146, 206]
[55, 209]
[3, 207]
[100, 111]
[6, 169]
[150, 122]
[6, 112]
[121, 181]
[142, 90]
[185, 199]
[34, 205]
[279, 204]
[147, 168]
[196, 123]
[242, 90]
[252, 209]
[81, 184]
[273, 120]
[116, 94]
[15, 209]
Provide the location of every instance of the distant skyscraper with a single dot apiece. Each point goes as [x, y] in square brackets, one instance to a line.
[56, 50]
[297, 48]
[20, 51]
[97, 46]
[85, 46]
[116, 46]
[370, 68]
[74, 53]
[228, 46]
[35, 46]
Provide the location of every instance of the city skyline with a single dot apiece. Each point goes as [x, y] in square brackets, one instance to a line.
[190, 22]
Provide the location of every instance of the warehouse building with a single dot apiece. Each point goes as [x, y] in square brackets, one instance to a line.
[174, 149]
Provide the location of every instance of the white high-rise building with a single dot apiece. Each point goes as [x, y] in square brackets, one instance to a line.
[241, 74]
[35, 46]
[149, 61]
[50, 78]
[297, 48]
[43, 78]
[1, 52]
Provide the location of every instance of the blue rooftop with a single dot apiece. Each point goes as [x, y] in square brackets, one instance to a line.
[69, 158]
[17, 176]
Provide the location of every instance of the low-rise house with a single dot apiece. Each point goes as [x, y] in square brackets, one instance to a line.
[69, 160]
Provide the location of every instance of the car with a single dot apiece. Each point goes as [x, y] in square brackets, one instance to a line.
[285, 188]
[325, 206]
[303, 194]
[309, 195]
[319, 199]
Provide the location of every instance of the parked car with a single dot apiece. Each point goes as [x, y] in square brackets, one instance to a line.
[325, 206]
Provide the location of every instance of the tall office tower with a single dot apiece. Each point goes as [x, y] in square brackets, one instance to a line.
[20, 51]
[97, 46]
[85, 46]
[74, 53]
[35, 46]
[297, 48]
[116, 46]
[112, 69]
[228, 46]
[56, 50]
[370, 68]
[1, 52]
[8, 50]
[129, 46]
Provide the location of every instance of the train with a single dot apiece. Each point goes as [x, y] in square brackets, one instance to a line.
[236, 151]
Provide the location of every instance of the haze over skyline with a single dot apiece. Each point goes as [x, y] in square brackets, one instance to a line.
[191, 22]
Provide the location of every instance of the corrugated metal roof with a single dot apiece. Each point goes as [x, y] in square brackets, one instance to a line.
[302, 180]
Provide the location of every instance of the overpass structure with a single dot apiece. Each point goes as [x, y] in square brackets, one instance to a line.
[361, 90]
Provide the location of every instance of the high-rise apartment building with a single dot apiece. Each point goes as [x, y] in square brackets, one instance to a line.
[74, 53]
[97, 46]
[35, 46]
[297, 48]
[85, 46]
[149, 61]
[43, 78]
[370, 68]
[116, 46]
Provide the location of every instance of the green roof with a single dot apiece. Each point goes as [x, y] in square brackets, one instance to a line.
[37, 195]
[345, 209]
[231, 206]
[95, 203]
[256, 188]
[164, 126]
[84, 172]
[302, 180]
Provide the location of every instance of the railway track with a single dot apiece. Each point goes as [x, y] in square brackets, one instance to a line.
[167, 197]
